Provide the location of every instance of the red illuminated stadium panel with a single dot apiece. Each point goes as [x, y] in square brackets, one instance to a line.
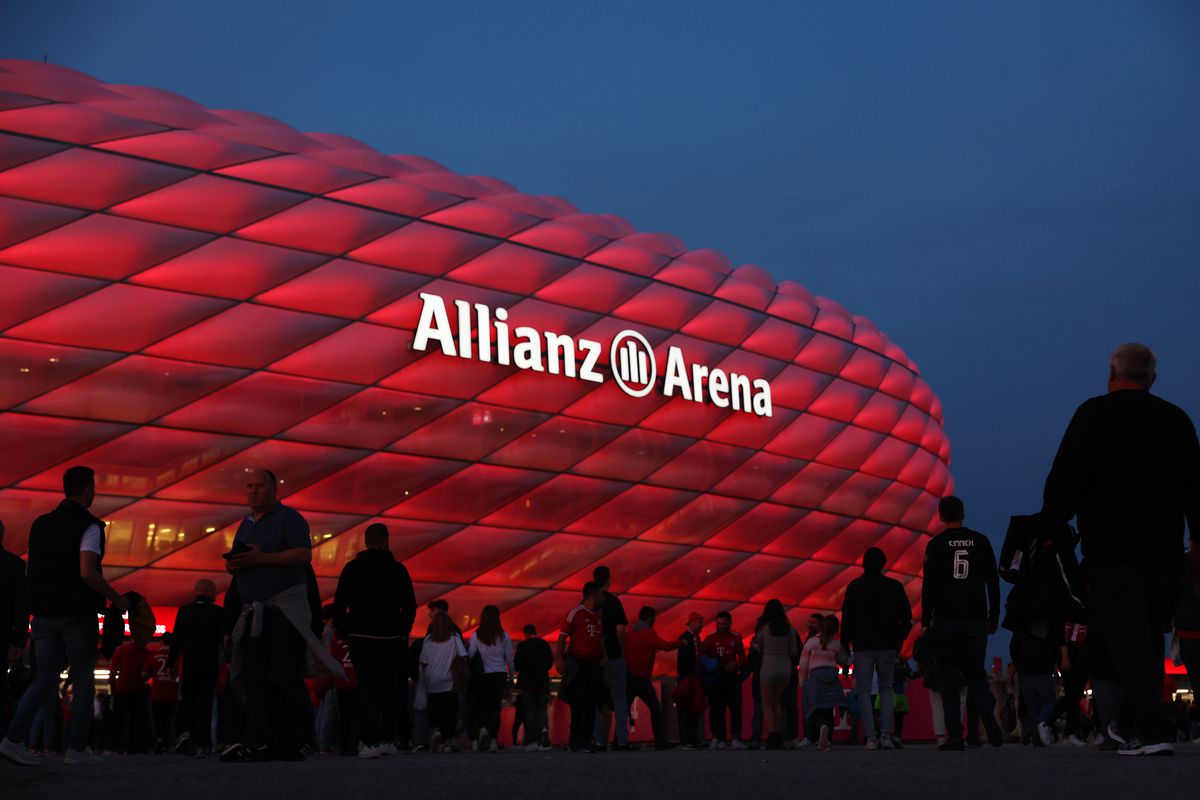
[189, 293]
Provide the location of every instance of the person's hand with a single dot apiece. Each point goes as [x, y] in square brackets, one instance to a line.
[252, 557]
[120, 603]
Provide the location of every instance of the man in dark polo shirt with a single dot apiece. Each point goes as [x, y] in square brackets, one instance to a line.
[270, 552]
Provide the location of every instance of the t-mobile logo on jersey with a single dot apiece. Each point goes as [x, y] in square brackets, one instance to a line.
[483, 333]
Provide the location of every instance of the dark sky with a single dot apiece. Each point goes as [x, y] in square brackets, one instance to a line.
[1009, 189]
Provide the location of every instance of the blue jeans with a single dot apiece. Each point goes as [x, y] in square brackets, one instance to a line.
[868, 663]
[57, 640]
[1038, 693]
[614, 680]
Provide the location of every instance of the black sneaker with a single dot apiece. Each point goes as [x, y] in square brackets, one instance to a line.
[241, 754]
[995, 735]
[185, 746]
[624, 748]
[297, 752]
[1136, 747]
[952, 746]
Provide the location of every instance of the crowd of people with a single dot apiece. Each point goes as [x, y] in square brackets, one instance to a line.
[272, 674]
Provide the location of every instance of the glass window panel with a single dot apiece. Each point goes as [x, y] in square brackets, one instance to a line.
[135, 389]
[146, 459]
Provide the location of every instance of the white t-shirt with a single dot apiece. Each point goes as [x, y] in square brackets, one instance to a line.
[90, 543]
[436, 658]
[496, 657]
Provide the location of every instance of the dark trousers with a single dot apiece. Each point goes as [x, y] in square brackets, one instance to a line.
[756, 717]
[276, 704]
[533, 704]
[639, 687]
[961, 649]
[347, 721]
[1130, 608]
[442, 708]
[162, 714]
[726, 695]
[584, 692]
[486, 706]
[1074, 683]
[791, 711]
[131, 715]
[196, 703]
[376, 661]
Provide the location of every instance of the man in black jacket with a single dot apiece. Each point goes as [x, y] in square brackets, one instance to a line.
[876, 617]
[373, 611]
[960, 605]
[1128, 470]
[198, 635]
[14, 620]
[66, 591]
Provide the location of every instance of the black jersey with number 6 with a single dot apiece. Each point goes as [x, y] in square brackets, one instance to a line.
[960, 578]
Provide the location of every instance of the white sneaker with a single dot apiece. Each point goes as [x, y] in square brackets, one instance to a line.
[435, 741]
[717, 744]
[19, 753]
[483, 743]
[1074, 741]
[872, 744]
[941, 740]
[82, 758]
[886, 742]
[368, 752]
[387, 749]
[737, 744]
[493, 746]
[802, 744]
[1045, 734]
[531, 747]
[824, 742]
[1114, 734]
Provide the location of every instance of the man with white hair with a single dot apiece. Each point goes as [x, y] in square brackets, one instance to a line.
[1128, 470]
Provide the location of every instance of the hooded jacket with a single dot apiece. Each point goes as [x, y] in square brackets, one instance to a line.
[374, 597]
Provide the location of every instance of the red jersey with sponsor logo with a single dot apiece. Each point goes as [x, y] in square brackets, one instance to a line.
[585, 633]
[164, 684]
[131, 665]
[725, 647]
[341, 653]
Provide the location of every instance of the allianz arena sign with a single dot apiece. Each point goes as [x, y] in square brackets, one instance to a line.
[631, 358]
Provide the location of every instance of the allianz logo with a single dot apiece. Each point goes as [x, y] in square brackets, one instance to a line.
[631, 359]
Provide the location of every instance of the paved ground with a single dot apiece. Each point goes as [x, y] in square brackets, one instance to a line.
[1011, 773]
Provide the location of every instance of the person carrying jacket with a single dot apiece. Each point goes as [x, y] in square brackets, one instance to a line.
[876, 619]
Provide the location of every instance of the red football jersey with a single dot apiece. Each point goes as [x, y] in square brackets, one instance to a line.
[341, 653]
[164, 685]
[585, 634]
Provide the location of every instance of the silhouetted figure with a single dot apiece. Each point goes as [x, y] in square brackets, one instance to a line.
[66, 591]
[1128, 471]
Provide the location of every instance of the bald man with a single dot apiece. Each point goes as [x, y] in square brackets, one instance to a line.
[199, 631]
[1128, 471]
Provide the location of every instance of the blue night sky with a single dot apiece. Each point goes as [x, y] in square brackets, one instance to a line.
[1009, 189]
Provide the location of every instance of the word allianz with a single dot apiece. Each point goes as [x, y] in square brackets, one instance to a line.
[560, 354]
